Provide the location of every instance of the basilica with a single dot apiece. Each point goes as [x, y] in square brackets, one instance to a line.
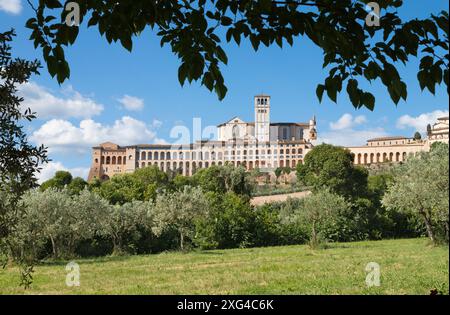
[260, 144]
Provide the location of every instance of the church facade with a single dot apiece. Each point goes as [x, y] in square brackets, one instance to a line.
[260, 144]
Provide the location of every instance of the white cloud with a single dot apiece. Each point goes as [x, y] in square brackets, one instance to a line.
[131, 102]
[63, 136]
[420, 122]
[347, 121]
[49, 170]
[342, 132]
[11, 6]
[47, 105]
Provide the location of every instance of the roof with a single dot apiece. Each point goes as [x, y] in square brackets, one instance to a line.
[443, 118]
[300, 124]
[389, 138]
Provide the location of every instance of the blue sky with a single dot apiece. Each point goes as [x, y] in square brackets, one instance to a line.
[135, 97]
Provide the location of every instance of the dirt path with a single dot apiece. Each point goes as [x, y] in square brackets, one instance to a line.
[260, 200]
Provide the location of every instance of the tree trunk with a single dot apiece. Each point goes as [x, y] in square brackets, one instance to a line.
[429, 226]
[446, 231]
[313, 235]
[181, 241]
[55, 255]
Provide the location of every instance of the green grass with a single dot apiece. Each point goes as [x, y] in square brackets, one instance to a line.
[409, 266]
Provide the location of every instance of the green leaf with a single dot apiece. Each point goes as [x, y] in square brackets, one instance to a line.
[319, 91]
[221, 55]
[182, 73]
[126, 42]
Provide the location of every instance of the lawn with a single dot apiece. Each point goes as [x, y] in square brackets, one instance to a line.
[408, 266]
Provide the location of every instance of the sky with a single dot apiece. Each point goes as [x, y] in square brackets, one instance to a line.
[133, 98]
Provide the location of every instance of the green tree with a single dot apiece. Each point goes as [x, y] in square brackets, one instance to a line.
[123, 221]
[417, 136]
[229, 224]
[354, 48]
[59, 181]
[278, 171]
[180, 210]
[121, 189]
[421, 187]
[77, 185]
[19, 160]
[179, 181]
[320, 209]
[221, 179]
[64, 220]
[331, 167]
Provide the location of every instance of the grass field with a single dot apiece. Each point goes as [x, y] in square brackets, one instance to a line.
[407, 267]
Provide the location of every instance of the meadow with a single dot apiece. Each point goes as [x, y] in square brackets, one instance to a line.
[408, 266]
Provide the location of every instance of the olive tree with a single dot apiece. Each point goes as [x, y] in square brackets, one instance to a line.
[180, 210]
[123, 221]
[64, 220]
[421, 187]
[320, 209]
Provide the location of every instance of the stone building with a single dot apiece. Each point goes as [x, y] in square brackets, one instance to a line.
[259, 144]
[397, 149]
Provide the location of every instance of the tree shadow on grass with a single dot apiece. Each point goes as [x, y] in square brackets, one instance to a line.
[85, 261]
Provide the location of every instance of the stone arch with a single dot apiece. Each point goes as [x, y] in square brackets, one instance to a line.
[119, 160]
[143, 156]
[162, 156]
[155, 156]
[113, 160]
[108, 160]
[397, 157]
[143, 164]
[365, 158]
[359, 158]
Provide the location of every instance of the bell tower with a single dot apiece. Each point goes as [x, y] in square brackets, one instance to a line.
[262, 118]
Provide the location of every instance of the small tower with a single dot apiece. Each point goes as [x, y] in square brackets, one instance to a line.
[312, 129]
[262, 118]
